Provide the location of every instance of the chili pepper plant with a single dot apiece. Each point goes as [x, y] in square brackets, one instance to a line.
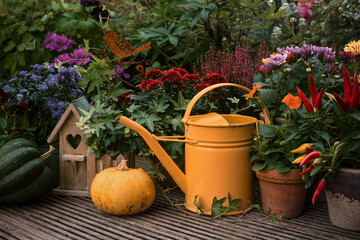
[329, 127]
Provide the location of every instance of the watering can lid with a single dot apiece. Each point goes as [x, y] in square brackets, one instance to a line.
[210, 119]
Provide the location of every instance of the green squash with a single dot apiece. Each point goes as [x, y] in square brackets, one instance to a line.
[24, 176]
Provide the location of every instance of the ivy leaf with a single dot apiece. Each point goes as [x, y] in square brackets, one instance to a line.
[217, 209]
[233, 203]
[176, 123]
[181, 103]
[149, 121]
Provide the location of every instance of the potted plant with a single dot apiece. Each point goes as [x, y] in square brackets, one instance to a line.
[336, 154]
[282, 189]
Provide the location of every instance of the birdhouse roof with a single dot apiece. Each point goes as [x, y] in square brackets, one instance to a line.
[73, 108]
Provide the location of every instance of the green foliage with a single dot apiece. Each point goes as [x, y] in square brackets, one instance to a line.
[25, 24]
[270, 151]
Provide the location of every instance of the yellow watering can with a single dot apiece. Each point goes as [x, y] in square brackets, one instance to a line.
[216, 155]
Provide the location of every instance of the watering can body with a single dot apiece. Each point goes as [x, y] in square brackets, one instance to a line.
[217, 160]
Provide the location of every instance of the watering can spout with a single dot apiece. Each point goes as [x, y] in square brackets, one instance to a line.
[164, 158]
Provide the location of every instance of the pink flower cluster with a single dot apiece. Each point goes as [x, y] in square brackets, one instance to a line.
[77, 57]
[237, 67]
[304, 10]
[57, 43]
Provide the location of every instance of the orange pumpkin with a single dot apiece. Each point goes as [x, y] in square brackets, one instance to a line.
[122, 191]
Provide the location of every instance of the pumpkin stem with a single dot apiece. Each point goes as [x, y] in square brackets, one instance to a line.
[123, 165]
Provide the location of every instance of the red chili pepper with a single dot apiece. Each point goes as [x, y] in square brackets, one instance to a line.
[314, 92]
[306, 102]
[309, 150]
[318, 101]
[341, 102]
[347, 85]
[310, 156]
[354, 102]
[320, 188]
[308, 169]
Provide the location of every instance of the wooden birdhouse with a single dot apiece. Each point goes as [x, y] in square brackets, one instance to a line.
[77, 166]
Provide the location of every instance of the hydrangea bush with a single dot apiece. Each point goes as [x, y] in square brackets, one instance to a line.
[39, 97]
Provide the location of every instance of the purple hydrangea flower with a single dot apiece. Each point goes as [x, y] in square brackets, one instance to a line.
[57, 43]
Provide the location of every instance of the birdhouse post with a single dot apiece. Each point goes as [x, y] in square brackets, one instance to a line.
[77, 166]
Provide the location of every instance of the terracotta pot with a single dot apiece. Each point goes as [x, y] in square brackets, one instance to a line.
[282, 192]
[343, 197]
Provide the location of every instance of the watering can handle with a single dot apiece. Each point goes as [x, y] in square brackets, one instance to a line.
[206, 90]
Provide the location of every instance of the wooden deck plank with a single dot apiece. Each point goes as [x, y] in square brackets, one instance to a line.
[64, 217]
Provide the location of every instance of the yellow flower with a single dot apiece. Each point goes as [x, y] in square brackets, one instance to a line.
[353, 47]
[291, 101]
[253, 91]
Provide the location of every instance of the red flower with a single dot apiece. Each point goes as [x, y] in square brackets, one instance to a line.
[149, 84]
[201, 73]
[215, 78]
[125, 98]
[155, 74]
[290, 57]
[4, 97]
[21, 107]
[191, 78]
[182, 71]
[172, 76]
[201, 86]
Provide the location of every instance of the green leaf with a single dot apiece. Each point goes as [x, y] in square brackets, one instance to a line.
[149, 121]
[217, 209]
[9, 46]
[258, 166]
[355, 115]
[174, 41]
[3, 123]
[324, 135]
[316, 169]
[176, 123]
[282, 168]
[267, 131]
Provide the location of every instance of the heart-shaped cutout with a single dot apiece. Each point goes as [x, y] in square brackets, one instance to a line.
[74, 142]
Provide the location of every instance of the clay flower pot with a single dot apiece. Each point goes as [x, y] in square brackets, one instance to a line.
[282, 192]
[343, 197]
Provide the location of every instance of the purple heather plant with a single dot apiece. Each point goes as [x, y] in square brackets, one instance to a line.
[57, 43]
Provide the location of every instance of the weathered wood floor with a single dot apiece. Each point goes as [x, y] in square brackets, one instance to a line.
[58, 217]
